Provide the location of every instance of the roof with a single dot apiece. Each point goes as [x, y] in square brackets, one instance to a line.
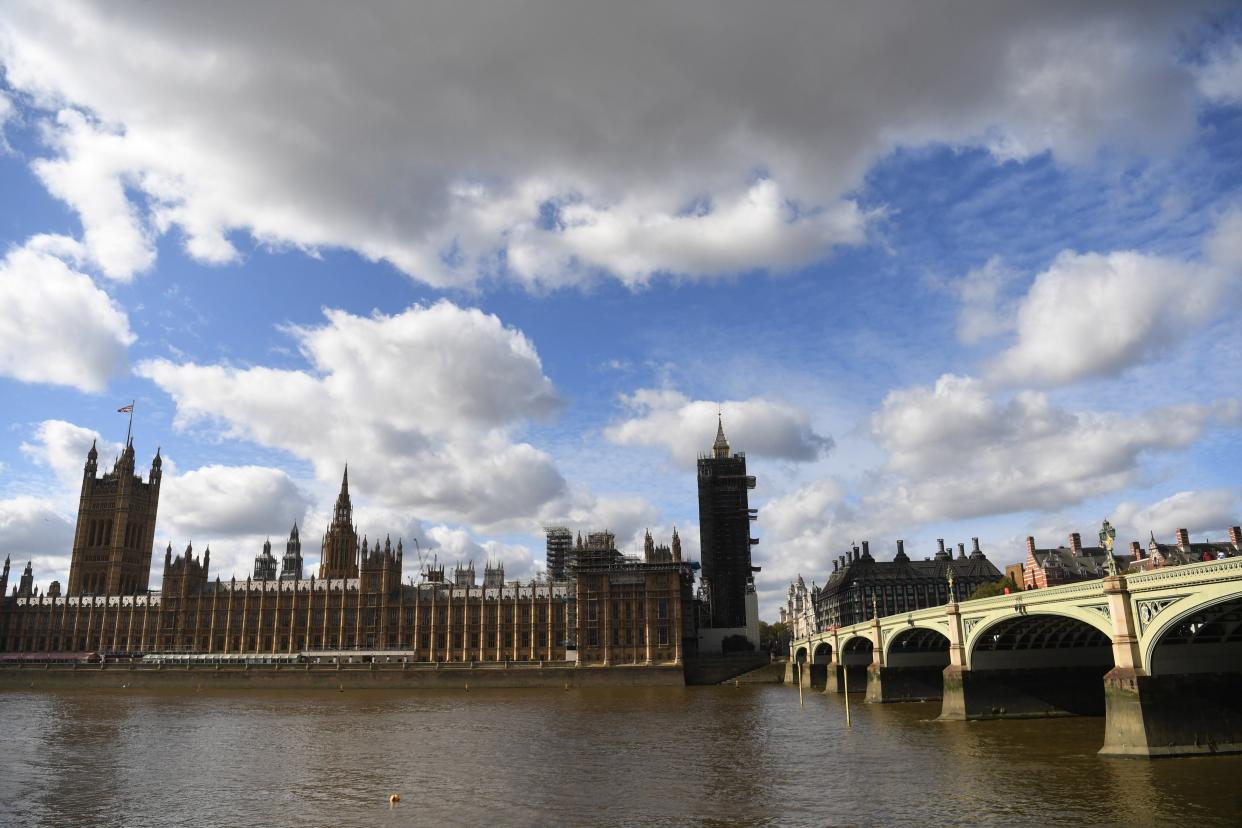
[870, 571]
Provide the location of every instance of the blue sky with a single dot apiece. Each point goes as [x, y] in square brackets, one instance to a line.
[948, 273]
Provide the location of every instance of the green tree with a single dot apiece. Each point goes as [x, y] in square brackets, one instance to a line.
[773, 637]
[992, 588]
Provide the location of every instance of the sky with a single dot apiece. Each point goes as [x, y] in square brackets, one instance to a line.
[947, 270]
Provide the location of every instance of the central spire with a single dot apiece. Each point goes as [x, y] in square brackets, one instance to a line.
[720, 448]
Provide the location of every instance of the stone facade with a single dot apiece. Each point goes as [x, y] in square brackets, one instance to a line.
[860, 586]
[611, 610]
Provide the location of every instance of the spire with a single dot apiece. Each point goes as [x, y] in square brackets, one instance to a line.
[93, 454]
[345, 481]
[157, 461]
[720, 448]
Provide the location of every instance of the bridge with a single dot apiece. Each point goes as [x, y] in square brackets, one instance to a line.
[1159, 654]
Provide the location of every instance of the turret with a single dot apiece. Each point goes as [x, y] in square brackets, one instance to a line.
[25, 586]
[291, 563]
[157, 468]
[265, 564]
[648, 547]
[720, 448]
[676, 546]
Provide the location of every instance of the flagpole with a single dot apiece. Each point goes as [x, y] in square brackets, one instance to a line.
[129, 431]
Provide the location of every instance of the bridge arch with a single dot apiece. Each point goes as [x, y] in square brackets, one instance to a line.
[1204, 637]
[917, 640]
[822, 654]
[800, 655]
[1037, 664]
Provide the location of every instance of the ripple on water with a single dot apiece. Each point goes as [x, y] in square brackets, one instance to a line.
[707, 756]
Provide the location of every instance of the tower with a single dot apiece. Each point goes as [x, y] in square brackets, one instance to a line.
[291, 563]
[116, 527]
[560, 551]
[339, 558]
[724, 531]
[265, 564]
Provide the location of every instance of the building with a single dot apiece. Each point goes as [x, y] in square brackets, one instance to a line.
[727, 588]
[116, 527]
[1182, 551]
[798, 612]
[560, 548]
[1066, 564]
[861, 587]
[633, 611]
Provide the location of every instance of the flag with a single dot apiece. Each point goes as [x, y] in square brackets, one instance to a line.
[128, 409]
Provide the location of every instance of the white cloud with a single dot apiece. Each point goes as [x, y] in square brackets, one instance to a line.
[686, 428]
[1092, 314]
[985, 310]
[1220, 79]
[62, 447]
[222, 501]
[423, 405]
[35, 530]
[1199, 512]
[56, 326]
[436, 138]
[954, 451]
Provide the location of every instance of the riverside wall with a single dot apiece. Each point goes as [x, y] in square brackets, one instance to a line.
[329, 677]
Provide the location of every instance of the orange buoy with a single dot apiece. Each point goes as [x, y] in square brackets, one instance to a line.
[393, 799]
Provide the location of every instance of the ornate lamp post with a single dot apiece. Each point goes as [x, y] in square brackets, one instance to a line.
[1107, 536]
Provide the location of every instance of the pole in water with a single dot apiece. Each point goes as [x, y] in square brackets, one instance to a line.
[845, 671]
[798, 672]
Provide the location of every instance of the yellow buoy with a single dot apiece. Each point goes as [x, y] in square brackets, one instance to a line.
[393, 799]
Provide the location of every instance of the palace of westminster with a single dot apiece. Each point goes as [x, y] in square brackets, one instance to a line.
[595, 607]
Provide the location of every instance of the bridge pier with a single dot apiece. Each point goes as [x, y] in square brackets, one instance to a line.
[888, 683]
[834, 681]
[1175, 715]
[1021, 694]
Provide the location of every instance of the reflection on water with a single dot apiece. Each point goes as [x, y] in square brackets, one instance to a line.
[716, 756]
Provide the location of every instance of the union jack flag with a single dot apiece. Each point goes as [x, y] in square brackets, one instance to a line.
[128, 409]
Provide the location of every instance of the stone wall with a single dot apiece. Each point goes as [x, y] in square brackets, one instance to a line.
[323, 677]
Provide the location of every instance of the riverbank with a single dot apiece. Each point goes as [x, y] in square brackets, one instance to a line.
[453, 675]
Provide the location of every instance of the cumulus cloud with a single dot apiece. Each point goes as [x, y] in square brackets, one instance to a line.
[422, 404]
[1199, 512]
[62, 447]
[955, 451]
[1092, 314]
[222, 501]
[56, 326]
[686, 428]
[34, 529]
[547, 141]
[986, 311]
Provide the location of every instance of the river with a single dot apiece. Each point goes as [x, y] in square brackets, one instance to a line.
[702, 755]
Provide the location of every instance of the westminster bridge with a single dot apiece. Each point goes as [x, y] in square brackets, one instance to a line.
[1159, 654]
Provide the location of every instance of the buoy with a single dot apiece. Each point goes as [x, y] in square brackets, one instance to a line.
[341, 689]
[393, 799]
[467, 685]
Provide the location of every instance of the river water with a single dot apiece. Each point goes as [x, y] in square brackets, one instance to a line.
[702, 755]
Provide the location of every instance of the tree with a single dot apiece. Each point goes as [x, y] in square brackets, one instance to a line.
[992, 588]
[774, 637]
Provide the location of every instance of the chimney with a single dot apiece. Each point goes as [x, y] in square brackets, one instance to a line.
[866, 552]
[834, 566]
[1075, 543]
[1235, 537]
[855, 553]
[1136, 551]
[961, 550]
[940, 544]
[901, 547]
[1030, 545]
[1183, 539]
[975, 552]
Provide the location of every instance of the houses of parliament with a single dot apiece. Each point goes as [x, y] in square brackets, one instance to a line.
[597, 607]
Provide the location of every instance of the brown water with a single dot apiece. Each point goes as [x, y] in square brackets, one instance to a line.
[712, 756]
